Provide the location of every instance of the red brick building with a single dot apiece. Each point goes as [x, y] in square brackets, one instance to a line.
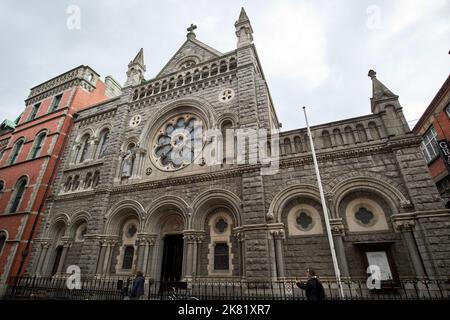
[434, 125]
[29, 154]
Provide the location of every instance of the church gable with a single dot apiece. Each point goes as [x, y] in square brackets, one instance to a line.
[192, 52]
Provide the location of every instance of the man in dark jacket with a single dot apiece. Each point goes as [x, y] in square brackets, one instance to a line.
[313, 287]
[138, 286]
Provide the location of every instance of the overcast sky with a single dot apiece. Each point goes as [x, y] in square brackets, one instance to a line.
[313, 53]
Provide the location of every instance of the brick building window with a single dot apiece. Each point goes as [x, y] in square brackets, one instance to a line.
[16, 150]
[34, 111]
[37, 145]
[2, 240]
[2, 185]
[18, 194]
[429, 145]
[55, 103]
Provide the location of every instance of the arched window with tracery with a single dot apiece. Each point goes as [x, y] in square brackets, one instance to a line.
[17, 194]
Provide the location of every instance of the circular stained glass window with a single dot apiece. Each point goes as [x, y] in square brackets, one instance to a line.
[178, 142]
[304, 221]
[221, 225]
[131, 231]
[364, 216]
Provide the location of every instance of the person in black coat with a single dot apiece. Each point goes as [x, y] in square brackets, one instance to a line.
[138, 286]
[313, 287]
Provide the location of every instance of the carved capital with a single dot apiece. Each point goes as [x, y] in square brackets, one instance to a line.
[403, 222]
[337, 227]
[278, 234]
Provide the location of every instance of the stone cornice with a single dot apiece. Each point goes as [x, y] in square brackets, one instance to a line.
[58, 81]
[98, 116]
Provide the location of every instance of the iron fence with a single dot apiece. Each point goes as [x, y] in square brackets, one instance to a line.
[118, 288]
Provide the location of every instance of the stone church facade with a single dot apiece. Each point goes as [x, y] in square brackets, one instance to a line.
[130, 193]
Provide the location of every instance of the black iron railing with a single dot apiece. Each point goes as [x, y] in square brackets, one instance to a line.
[118, 288]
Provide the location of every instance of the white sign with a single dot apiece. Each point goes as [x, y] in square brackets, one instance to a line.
[379, 258]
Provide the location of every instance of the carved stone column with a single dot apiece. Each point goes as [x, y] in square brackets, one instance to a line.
[101, 257]
[405, 223]
[110, 245]
[338, 232]
[190, 239]
[42, 257]
[62, 260]
[149, 265]
[240, 236]
[76, 153]
[279, 236]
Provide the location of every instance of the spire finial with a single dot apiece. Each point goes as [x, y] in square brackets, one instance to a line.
[372, 74]
[190, 30]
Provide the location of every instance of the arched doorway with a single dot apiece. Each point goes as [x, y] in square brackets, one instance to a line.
[173, 249]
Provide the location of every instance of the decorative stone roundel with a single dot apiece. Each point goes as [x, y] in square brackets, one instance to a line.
[226, 95]
[135, 121]
[178, 142]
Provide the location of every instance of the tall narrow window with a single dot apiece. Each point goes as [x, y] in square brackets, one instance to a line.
[16, 150]
[55, 103]
[128, 255]
[227, 142]
[429, 145]
[17, 195]
[103, 143]
[38, 145]
[221, 256]
[2, 241]
[84, 148]
[34, 111]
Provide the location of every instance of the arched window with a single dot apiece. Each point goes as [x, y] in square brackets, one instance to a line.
[233, 63]
[227, 141]
[84, 147]
[374, 131]
[19, 190]
[96, 179]
[76, 183]
[349, 135]
[2, 185]
[223, 66]
[205, 72]
[16, 150]
[129, 235]
[68, 184]
[298, 144]
[2, 241]
[287, 146]
[39, 141]
[326, 139]
[220, 246]
[214, 69]
[104, 139]
[338, 137]
[88, 180]
[361, 133]
[196, 75]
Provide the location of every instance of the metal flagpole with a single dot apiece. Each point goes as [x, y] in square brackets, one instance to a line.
[325, 210]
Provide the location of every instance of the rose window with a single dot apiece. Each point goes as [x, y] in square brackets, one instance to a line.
[178, 142]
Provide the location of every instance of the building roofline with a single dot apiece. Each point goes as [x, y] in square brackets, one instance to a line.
[433, 104]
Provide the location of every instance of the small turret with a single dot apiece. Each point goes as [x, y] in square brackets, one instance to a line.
[244, 30]
[136, 70]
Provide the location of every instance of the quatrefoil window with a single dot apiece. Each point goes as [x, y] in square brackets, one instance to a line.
[304, 221]
[364, 216]
[178, 142]
[226, 95]
[135, 121]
